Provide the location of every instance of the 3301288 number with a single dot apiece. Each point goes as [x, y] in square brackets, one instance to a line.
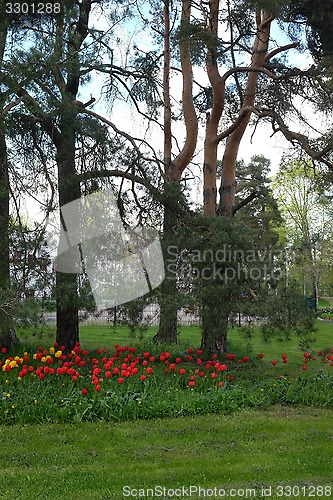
[33, 8]
[309, 491]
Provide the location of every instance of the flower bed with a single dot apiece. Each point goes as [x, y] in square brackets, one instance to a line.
[326, 313]
[126, 384]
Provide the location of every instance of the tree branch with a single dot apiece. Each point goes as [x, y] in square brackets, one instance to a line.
[9, 106]
[245, 201]
[254, 69]
[33, 107]
[293, 137]
[242, 115]
[278, 50]
[131, 140]
[158, 196]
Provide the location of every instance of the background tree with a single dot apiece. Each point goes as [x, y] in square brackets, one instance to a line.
[307, 214]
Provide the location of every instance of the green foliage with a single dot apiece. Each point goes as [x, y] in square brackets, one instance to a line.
[17, 313]
[226, 268]
[261, 214]
[199, 40]
[146, 88]
[318, 17]
[131, 315]
[288, 314]
[305, 205]
[277, 7]
[31, 273]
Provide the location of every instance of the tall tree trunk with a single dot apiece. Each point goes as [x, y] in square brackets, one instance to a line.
[167, 331]
[214, 322]
[169, 295]
[69, 190]
[168, 300]
[4, 213]
[259, 52]
[7, 333]
[314, 275]
[215, 317]
[216, 311]
[213, 119]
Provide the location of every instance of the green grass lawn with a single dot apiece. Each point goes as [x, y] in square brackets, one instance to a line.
[247, 450]
[93, 336]
[322, 303]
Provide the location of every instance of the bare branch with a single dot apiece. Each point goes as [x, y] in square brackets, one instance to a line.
[245, 201]
[9, 106]
[10, 304]
[254, 69]
[297, 137]
[278, 50]
[131, 140]
[150, 118]
[242, 115]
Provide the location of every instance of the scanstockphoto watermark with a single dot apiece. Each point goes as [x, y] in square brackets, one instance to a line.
[265, 491]
[225, 264]
[196, 491]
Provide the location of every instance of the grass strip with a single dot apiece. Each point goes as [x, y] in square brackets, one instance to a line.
[96, 461]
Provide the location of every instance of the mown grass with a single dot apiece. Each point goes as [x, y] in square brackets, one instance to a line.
[93, 336]
[94, 461]
[322, 303]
